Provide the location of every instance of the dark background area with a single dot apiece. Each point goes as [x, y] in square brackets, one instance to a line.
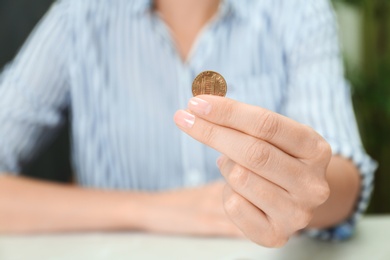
[17, 19]
[370, 87]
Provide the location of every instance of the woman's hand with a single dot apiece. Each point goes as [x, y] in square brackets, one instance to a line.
[191, 211]
[275, 167]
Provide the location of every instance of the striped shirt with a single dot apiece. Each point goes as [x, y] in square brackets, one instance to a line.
[114, 65]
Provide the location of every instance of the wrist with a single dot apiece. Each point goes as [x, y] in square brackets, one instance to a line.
[136, 210]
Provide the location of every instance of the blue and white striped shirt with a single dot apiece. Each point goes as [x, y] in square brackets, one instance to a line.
[114, 65]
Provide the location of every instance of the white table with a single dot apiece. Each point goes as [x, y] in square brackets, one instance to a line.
[372, 242]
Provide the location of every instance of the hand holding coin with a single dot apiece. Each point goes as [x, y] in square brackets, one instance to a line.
[274, 167]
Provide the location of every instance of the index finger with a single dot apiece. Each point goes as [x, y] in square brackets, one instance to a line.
[288, 135]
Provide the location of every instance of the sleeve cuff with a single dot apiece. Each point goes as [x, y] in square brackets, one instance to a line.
[366, 167]
[7, 165]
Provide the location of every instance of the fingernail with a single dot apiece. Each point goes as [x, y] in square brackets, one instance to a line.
[184, 119]
[199, 106]
[219, 161]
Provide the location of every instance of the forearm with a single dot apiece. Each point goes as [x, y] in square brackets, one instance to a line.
[344, 182]
[29, 206]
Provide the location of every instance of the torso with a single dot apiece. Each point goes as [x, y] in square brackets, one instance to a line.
[127, 81]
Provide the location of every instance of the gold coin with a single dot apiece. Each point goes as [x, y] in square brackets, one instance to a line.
[209, 83]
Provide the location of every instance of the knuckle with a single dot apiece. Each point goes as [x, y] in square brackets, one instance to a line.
[233, 205]
[302, 219]
[258, 155]
[209, 133]
[322, 193]
[267, 126]
[319, 190]
[228, 111]
[304, 209]
[322, 150]
[238, 177]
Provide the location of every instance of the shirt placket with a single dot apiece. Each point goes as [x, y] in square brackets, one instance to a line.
[192, 151]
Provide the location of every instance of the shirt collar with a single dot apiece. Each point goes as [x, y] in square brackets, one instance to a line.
[248, 11]
[141, 6]
[234, 7]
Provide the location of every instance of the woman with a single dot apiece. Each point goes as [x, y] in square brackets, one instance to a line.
[124, 67]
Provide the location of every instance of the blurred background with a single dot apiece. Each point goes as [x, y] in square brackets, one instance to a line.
[17, 19]
[365, 37]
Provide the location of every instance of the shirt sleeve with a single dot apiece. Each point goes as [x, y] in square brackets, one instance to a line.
[33, 92]
[319, 96]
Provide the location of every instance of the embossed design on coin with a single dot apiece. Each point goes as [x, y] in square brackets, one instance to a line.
[209, 83]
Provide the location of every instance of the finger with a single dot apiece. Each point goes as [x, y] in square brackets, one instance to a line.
[292, 137]
[252, 221]
[248, 151]
[267, 196]
[274, 201]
